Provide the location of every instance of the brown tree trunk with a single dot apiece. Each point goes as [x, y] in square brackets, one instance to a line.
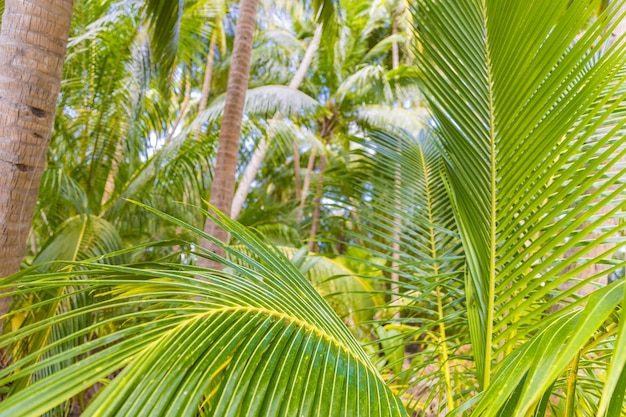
[33, 42]
[307, 181]
[223, 186]
[296, 146]
[208, 73]
[313, 246]
[206, 84]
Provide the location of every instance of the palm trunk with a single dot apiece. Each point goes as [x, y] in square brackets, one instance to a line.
[33, 42]
[296, 156]
[252, 169]
[307, 181]
[303, 69]
[223, 186]
[206, 84]
[313, 246]
[208, 73]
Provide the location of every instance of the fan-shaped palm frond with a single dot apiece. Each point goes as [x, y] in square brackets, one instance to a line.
[262, 342]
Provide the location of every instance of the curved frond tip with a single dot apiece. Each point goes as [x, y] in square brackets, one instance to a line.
[260, 342]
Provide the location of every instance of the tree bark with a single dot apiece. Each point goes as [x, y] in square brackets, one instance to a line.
[296, 154]
[223, 186]
[208, 73]
[206, 84]
[252, 169]
[395, 50]
[307, 181]
[313, 246]
[33, 42]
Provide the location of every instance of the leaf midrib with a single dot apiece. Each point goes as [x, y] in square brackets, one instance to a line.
[303, 324]
[493, 213]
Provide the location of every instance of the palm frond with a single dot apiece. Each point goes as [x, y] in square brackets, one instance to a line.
[366, 84]
[534, 367]
[386, 118]
[405, 219]
[522, 111]
[383, 47]
[78, 238]
[164, 17]
[268, 99]
[612, 400]
[259, 343]
[352, 297]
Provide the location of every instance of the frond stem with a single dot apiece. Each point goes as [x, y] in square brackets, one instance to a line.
[492, 228]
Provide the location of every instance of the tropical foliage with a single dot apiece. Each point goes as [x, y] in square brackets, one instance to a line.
[436, 227]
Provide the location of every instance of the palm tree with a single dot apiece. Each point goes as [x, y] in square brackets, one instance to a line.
[254, 165]
[287, 353]
[28, 133]
[516, 144]
[223, 186]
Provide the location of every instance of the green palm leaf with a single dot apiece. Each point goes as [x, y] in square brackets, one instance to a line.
[164, 17]
[540, 361]
[613, 393]
[262, 343]
[520, 110]
[78, 238]
[405, 218]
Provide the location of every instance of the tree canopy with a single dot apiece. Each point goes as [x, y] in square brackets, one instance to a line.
[428, 215]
